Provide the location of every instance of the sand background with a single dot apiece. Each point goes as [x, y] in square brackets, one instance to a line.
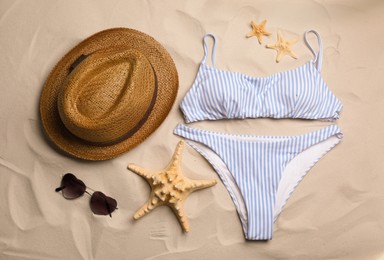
[337, 212]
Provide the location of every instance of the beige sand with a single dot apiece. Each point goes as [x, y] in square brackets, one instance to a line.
[337, 211]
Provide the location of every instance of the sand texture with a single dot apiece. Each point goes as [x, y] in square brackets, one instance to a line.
[337, 210]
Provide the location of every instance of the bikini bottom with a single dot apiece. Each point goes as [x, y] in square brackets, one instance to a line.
[260, 172]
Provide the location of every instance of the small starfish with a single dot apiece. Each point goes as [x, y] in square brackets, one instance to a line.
[169, 187]
[283, 47]
[258, 30]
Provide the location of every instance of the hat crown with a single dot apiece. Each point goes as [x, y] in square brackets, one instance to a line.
[107, 95]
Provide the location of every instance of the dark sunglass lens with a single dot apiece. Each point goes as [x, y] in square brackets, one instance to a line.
[102, 204]
[71, 187]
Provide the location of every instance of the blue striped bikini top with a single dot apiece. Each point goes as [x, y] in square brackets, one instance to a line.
[297, 93]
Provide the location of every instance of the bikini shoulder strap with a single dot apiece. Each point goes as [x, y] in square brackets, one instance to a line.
[206, 48]
[319, 55]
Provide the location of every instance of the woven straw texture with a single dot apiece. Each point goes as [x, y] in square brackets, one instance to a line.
[112, 100]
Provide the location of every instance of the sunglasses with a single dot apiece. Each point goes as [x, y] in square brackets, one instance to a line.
[72, 188]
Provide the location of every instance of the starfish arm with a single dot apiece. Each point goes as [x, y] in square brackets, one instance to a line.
[178, 208]
[278, 49]
[179, 150]
[176, 158]
[260, 38]
[265, 32]
[292, 54]
[271, 46]
[140, 171]
[293, 41]
[263, 22]
[201, 184]
[279, 37]
[250, 34]
[279, 55]
[150, 205]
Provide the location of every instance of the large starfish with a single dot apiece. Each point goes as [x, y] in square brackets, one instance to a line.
[258, 30]
[169, 187]
[283, 47]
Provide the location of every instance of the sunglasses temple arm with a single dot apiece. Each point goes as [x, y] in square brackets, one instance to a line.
[108, 208]
[60, 188]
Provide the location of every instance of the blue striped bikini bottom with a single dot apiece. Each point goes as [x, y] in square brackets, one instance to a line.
[260, 172]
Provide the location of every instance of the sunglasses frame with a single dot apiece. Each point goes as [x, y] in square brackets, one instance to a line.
[73, 180]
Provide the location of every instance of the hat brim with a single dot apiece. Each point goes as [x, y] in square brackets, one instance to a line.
[167, 83]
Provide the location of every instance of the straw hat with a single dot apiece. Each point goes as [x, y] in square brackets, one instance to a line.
[108, 94]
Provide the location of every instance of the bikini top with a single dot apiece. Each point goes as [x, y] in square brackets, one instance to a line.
[297, 93]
